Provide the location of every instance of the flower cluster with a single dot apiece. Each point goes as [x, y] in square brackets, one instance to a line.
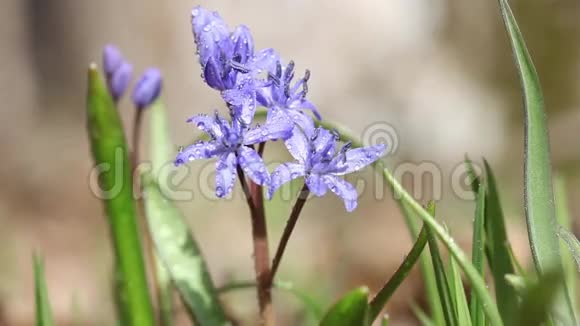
[119, 71]
[245, 79]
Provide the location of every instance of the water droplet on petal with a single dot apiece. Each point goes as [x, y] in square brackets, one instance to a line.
[195, 12]
[219, 191]
[191, 157]
[206, 28]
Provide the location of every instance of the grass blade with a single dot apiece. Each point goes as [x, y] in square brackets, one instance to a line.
[538, 299]
[383, 296]
[478, 252]
[181, 256]
[572, 243]
[351, 310]
[498, 251]
[422, 316]
[109, 149]
[441, 275]
[458, 294]
[563, 218]
[539, 199]
[43, 310]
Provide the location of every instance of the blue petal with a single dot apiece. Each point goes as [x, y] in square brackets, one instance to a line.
[243, 98]
[207, 124]
[277, 127]
[211, 34]
[212, 74]
[119, 80]
[325, 142]
[147, 88]
[265, 60]
[112, 59]
[243, 44]
[297, 145]
[358, 158]
[226, 174]
[284, 173]
[197, 151]
[301, 120]
[305, 104]
[342, 189]
[253, 166]
[316, 184]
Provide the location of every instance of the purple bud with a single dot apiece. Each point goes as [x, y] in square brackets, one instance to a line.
[147, 88]
[119, 80]
[112, 59]
[212, 75]
[243, 43]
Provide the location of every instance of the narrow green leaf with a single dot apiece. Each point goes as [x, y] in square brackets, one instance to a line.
[422, 316]
[519, 283]
[400, 194]
[311, 305]
[539, 199]
[497, 246]
[109, 149]
[383, 296]
[474, 180]
[570, 262]
[573, 244]
[351, 310]
[43, 310]
[181, 256]
[458, 294]
[478, 252]
[440, 274]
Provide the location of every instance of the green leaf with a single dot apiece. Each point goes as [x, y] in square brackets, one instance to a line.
[441, 275]
[181, 256]
[573, 244]
[497, 246]
[539, 199]
[384, 294]
[478, 251]
[458, 295]
[519, 283]
[422, 316]
[351, 310]
[109, 149]
[311, 305]
[570, 262]
[161, 152]
[43, 310]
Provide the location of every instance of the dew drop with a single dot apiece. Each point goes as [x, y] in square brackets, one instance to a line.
[206, 28]
[195, 12]
[191, 157]
[219, 191]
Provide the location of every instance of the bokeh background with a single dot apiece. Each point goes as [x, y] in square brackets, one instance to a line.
[439, 71]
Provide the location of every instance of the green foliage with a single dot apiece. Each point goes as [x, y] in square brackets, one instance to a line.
[351, 310]
[539, 199]
[110, 154]
[43, 310]
[478, 249]
[181, 256]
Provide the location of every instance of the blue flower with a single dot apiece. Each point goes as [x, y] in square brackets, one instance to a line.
[321, 165]
[148, 88]
[118, 72]
[231, 144]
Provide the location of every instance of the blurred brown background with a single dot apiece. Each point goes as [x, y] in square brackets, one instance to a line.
[439, 71]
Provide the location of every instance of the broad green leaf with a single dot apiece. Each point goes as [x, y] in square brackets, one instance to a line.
[441, 275]
[43, 310]
[539, 199]
[497, 246]
[110, 154]
[384, 294]
[458, 294]
[351, 310]
[311, 304]
[570, 262]
[181, 256]
[161, 154]
[478, 251]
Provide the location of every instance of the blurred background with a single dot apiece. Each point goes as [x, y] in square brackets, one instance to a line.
[438, 71]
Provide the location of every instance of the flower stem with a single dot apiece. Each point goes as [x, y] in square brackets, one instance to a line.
[288, 229]
[261, 255]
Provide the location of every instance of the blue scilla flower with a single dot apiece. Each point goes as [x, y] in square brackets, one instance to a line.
[147, 88]
[290, 98]
[231, 144]
[321, 164]
[118, 71]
